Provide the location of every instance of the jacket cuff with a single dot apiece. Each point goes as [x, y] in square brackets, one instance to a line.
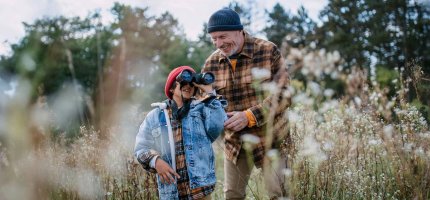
[145, 159]
[257, 111]
[251, 118]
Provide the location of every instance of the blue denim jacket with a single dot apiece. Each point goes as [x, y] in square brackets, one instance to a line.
[200, 128]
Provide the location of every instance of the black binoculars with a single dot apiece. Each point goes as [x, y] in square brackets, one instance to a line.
[188, 77]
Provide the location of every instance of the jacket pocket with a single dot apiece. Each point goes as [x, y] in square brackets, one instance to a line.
[167, 191]
[156, 132]
[197, 124]
[202, 167]
[159, 144]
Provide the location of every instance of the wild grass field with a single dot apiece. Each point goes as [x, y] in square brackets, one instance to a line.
[357, 143]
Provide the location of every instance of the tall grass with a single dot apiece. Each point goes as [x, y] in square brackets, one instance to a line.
[358, 143]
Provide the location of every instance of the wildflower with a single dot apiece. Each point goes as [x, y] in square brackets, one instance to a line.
[249, 141]
[419, 151]
[334, 75]
[289, 92]
[389, 105]
[312, 149]
[328, 92]
[375, 142]
[357, 100]
[388, 131]
[271, 87]
[293, 117]
[250, 138]
[303, 99]
[273, 155]
[328, 105]
[260, 73]
[333, 57]
[315, 88]
[295, 53]
[328, 146]
[287, 172]
[408, 147]
[425, 135]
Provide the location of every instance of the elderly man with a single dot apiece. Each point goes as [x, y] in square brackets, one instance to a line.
[238, 54]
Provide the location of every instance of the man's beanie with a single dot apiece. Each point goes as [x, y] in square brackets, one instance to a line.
[225, 19]
[172, 78]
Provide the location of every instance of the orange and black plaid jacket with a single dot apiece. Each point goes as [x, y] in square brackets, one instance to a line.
[243, 92]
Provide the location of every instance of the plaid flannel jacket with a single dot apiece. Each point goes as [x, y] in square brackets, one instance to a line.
[243, 91]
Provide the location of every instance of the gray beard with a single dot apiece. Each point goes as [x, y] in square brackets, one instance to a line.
[235, 50]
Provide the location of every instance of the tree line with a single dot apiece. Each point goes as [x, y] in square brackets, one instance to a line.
[128, 59]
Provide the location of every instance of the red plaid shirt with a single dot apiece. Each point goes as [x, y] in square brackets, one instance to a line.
[238, 87]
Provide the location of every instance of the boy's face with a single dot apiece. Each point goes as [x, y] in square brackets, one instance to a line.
[187, 91]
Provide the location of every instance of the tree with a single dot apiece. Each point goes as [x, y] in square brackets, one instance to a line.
[343, 30]
[282, 24]
[278, 22]
[112, 63]
[393, 32]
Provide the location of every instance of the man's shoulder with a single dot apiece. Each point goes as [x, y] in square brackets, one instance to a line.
[262, 43]
[213, 59]
[216, 55]
[258, 42]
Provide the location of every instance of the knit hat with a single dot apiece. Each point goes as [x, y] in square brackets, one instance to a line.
[172, 78]
[225, 19]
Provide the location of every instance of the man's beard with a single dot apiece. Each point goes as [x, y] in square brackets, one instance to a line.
[233, 50]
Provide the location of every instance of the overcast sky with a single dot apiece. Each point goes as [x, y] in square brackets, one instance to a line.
[191, 14]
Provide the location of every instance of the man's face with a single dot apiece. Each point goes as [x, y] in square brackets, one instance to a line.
[229, 42]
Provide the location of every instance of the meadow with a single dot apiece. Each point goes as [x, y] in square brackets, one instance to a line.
[356, 142]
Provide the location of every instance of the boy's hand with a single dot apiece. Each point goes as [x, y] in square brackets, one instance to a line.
[165, 171]
[204, 88]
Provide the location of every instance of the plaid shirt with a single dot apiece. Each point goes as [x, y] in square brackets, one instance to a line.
[238, 87]
[183, 183]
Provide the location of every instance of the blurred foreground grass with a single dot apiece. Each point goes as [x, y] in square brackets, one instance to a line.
[362, 145]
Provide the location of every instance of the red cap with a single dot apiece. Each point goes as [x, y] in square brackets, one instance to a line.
[172, 78]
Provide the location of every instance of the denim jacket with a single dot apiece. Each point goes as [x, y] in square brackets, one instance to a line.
[200, 128]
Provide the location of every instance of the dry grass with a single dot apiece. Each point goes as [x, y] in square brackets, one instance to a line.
[364, 145]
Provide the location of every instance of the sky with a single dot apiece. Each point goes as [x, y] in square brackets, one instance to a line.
[191, 14]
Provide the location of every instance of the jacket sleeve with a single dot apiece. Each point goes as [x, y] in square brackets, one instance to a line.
[215, 117]
[275, 103]
[144, 149]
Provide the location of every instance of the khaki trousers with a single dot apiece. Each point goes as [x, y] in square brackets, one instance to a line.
[237, 177]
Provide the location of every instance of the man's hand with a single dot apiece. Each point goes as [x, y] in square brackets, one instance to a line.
[165, 171]
[236, 121]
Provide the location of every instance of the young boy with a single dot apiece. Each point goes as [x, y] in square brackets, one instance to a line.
[188, 172]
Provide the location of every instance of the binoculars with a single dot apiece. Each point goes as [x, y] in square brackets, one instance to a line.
[188, 77]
